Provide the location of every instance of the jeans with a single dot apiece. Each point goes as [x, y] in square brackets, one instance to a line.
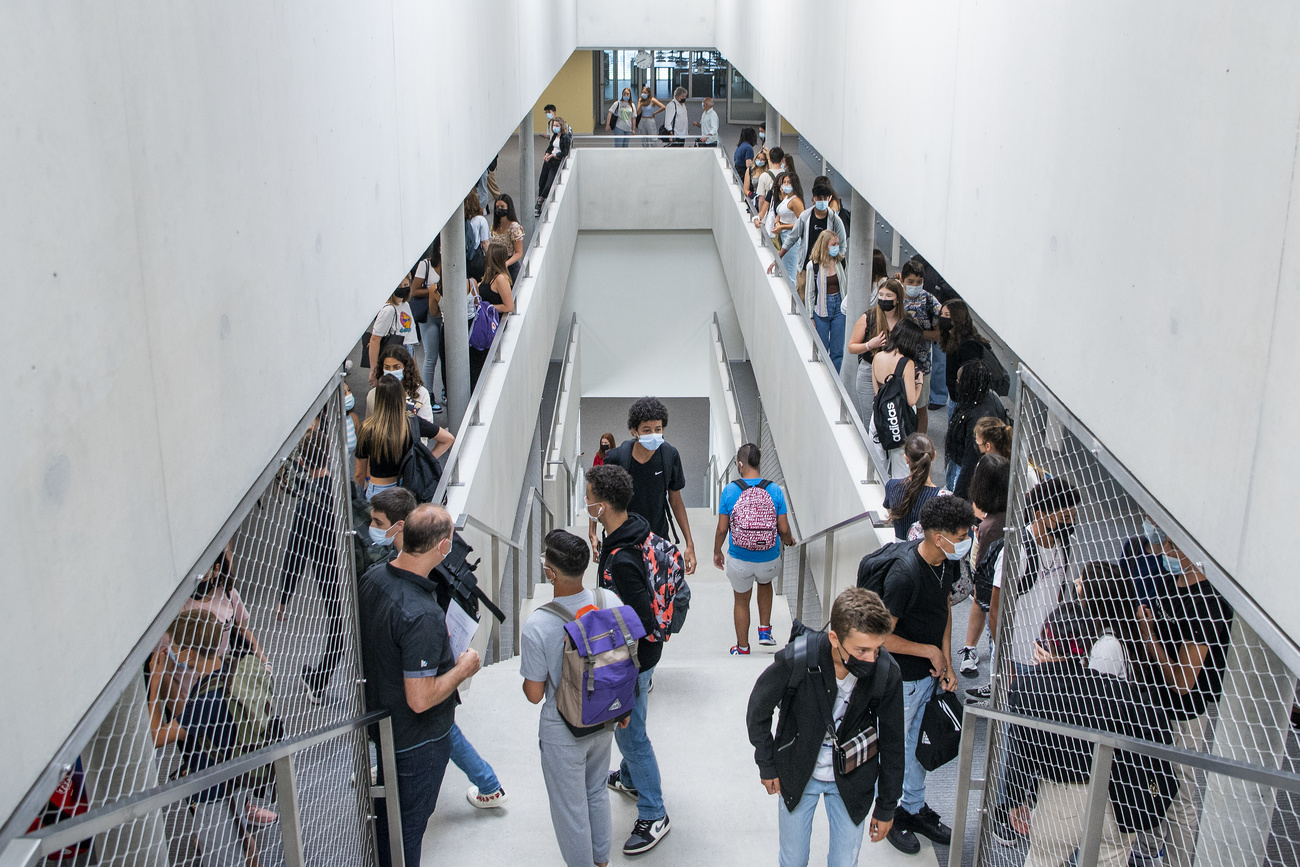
[372, 489]
[431, 340]
[639, 768]
[831, 329]
[620, 137]
[951, 474]
[938, 375]
[915, 694]
[795, 828]
[790, 261]
[419, 779]
[465, 757]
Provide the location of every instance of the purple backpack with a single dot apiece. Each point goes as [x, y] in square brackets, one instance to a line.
[485, 327]
[598, 681]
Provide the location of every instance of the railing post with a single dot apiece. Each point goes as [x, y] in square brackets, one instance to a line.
[965, 759]
[392, 800]
[1098, 800]
[828, 578]
[803, 563]
[516, 595]
[496, 597]
[286, 788]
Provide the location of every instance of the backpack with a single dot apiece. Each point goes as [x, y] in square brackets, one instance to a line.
[894, 417]
[456, 579]
[246, 692]
[419, 471]
[940, 739]
[875, 567]
[666, 572]
[485, 326]
[1000, 380]
[753, 518]
[598, 681]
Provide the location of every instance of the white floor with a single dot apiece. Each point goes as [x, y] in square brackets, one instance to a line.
[719, 810]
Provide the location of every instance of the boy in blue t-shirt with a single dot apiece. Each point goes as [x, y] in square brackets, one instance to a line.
[752, 511]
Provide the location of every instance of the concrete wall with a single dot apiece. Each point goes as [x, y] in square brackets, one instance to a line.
[664, 24]
[572, 92]
[1128, 168]
[204, 205]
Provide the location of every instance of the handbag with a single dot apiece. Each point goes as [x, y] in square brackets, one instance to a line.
[385, 341]
[940, 738]
[862, 747]
[665, 131]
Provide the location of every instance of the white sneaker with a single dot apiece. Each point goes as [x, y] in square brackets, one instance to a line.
[486, 802]
[970, 666]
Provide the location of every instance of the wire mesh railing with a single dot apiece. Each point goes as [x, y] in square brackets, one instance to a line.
[1111, 619]
[259, 649]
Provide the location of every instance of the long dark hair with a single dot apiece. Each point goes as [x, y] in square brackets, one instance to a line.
[963, 327]
[748, 136]
[222, 574]
[879, 265]
[794, 183]
[973, 380]
[511, 216]
[603, 449]
[906, 338]
[919, 450]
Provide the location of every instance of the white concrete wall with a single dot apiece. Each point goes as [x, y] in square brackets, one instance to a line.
[664, 24]
[1112, 187]
[203, 206]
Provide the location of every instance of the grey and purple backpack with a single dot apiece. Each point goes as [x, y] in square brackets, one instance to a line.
[598, 681]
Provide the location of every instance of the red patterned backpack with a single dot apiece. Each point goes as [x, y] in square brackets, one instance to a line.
[670, 595]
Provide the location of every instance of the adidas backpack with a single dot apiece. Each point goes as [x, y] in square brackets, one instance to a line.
[598, 681]
[420, 470]
[894, 417]
[670, 596]
[753, 518]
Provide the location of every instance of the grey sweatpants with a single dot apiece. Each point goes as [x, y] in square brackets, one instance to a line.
[576, 775]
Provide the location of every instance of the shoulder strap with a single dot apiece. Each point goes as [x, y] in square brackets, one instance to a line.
[763, 484]
[901, 366]
[558, 610]
[414, 425]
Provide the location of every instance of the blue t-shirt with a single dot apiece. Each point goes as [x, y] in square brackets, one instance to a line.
[744, 153]
[730, 494]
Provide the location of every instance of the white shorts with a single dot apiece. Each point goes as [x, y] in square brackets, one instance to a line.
[742, 574]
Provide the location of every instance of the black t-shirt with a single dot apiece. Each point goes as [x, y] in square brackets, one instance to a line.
[404, 634]
[1195, 614]
[651, 482]
[817, 225]
[383, 470]
[917, 594]
[969, 350]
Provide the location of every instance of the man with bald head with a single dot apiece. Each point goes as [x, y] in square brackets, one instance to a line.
[410, 671]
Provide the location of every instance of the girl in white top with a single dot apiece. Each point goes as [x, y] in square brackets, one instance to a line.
[396, 361]
[393, 318]
[647, 109]
[905, 342]
[622, 118]
[787, 214]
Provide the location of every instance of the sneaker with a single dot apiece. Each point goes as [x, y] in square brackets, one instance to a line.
[486, 802]
[646, 834]
[435, 408]
[1000, 827]
[1137, 859]
[903, 839]
[970, 666]
[926, 823]
[314, 695]
[255, 815]
[937, 406]
[739, 650]
[979, 693]
[616, 783]
[765, 636]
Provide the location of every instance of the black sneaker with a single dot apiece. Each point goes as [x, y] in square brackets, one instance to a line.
[978, 694]
[314, 693]
[616, 783]
[1000, 827]
[903, 839]
[646, 834]
[926, 823]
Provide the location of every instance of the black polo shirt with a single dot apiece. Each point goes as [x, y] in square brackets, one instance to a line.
[404, 634]
[917, 594]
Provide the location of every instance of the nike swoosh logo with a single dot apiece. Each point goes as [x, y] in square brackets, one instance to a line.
[659, 473]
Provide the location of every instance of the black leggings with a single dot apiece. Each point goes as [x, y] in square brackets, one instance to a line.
[550, 169]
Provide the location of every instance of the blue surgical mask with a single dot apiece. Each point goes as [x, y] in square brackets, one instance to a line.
[834, 250]
[1154, 535]
[1172, 565]
[914, 291]
[550, 115]
[959, 549]
[398, 374]
[556, 128]
[787, 189]
[379, 537]
[762, 136]
[176, 660]
[349, 401]
[651, 441]
[760, 163]
[821, 204]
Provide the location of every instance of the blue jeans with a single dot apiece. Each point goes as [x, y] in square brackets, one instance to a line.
[831, 329]
[620, 137]
[372, 489]
[431, 340]
[915, 694]
[419, 779]
[795, 828]
[465, 757]
[950, 479]
[938, 375]
[639, 768]
[790, 261]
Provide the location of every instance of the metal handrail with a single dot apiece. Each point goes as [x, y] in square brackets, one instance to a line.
[835, 528]
[552, 447]
[848, 412]
[592, 138]
[451, 466]
[52, 838]
[731, 380]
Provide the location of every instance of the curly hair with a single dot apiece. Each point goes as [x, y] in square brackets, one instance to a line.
[411, 381]
[947, 514]
[611, 484]
[644, 410]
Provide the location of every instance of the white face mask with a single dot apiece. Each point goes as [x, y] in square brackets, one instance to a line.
[788, 190]
[651, 441]
[398, 374]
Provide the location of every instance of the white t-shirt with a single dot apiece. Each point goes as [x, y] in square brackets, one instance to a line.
[709, 126]
[421, 406]
[1109, 657]
[680, 117]
[765, 181]
[478, 232]
[404, 324]
[825, 769]
[1034, 607]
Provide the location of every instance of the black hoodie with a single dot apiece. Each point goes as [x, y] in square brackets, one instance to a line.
[620, 556]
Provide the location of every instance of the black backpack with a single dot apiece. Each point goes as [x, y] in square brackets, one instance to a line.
[940, 738]
[419, 471]
[805, 649]
[456, 579]
[1000, 380]
[875, 567]
[895, 419]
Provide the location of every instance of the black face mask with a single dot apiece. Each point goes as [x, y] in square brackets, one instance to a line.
[886, 304]
[857, 667]
[945, 326]
[501, 213]
[1063, 531]
[402, 293]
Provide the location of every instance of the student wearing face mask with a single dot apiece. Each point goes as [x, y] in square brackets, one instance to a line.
[788, 210]
[621, 118]
[677, 119]
[809, 227]
[647, 110]
[870, 334]
[385, 437]
[426, 289]
[847, 681]
[559, 140]
[917, 584]
[657, 475]
[743, 158]
[410, 671]
[768, 164]
[376, 541]
[394, 324]
[395, 361]
[826, 281]
[505, 226]
[959, 343]
[924, 309]
[606, 443]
